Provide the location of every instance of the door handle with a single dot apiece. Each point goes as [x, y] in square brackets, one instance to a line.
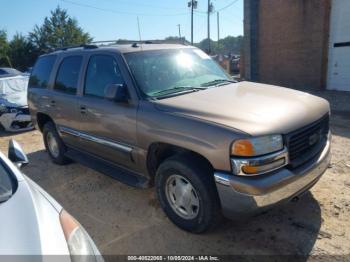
[83, 109]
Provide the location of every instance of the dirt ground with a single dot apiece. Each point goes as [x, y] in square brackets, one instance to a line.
[125, 220]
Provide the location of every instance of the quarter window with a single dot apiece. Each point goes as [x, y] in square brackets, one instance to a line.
[41, 72]
[68, 75]
[102, 71]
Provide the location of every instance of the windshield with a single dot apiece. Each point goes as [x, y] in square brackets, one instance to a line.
[6, 184]
[174, 71]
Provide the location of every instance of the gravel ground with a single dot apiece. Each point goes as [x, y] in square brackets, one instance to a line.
[125, 220]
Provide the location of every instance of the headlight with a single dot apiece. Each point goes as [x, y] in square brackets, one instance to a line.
[3, 108]
[257, 146]
[80, 245]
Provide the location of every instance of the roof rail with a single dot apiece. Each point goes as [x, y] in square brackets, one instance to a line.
[105, 42]
[155, 41]
[84, 46]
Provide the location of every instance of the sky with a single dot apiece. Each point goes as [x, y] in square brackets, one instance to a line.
[117, 19]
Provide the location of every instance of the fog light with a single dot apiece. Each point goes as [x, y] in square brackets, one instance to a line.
[248, 169]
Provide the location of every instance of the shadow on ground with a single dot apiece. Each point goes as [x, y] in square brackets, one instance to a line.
[125, 220]
[340, 123]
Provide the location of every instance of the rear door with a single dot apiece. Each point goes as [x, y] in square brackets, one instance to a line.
[64, 102]
[108, 128]
[39, 92]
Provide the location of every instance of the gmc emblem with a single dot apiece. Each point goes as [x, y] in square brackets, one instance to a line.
[313, 139]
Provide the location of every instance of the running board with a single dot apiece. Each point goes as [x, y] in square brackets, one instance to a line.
[122, 175]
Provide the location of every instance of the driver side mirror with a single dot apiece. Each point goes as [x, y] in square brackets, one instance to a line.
[117, 92]
[16, 154]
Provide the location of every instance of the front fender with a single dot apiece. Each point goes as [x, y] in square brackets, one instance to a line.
[208, 139]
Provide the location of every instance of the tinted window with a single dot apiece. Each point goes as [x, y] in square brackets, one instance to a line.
[41, 72]
[102, 71]
[68, 74]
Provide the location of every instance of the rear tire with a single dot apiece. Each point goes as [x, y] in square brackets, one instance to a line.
[186, 191]
[54, 144]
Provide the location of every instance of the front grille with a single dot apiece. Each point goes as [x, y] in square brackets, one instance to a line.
[306, 142]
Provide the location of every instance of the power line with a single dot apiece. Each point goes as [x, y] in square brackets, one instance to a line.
[119, 12]
[227, 6]
[151, 6]
[220, 9]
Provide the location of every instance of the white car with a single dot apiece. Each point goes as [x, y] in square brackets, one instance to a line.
[32, 222]
[14, 113]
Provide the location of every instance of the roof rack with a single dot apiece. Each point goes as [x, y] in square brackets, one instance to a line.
[155, 41]
[133, 43]
[104, 42]
[84, 46]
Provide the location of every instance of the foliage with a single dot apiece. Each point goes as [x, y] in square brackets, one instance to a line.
[225, 46]
[22, 52]
[58, 30]
[4, 48]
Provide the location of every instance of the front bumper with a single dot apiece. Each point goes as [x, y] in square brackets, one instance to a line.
[16, 122]
[240, 196]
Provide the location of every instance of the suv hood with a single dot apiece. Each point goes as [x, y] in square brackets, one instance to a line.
[256, 109]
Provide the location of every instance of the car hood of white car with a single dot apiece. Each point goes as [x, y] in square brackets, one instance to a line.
[30, 223]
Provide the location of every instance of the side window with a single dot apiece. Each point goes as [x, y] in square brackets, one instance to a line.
[102, 71]
[41, 72]
[68, 74]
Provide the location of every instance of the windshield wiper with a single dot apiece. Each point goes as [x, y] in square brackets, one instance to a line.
[218, 82]
[177, 89]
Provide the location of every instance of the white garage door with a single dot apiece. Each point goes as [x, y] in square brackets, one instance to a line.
[339, 48]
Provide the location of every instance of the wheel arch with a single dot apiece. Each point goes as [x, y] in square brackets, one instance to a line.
[42, 119]
[158, 152]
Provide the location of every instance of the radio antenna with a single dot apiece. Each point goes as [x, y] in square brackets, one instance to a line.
[138, 26]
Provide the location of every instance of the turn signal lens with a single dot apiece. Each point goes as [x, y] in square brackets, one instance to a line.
[69, 224]
[242, 148]
[263, 168]
[250, 169]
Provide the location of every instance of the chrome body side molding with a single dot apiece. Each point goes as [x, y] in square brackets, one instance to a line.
[102, 141]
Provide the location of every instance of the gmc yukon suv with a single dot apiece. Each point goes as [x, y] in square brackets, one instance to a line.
[169, 116]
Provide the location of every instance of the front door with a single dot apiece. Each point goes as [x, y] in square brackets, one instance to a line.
[108, 128]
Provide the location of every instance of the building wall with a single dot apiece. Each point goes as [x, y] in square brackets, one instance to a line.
[292, 46]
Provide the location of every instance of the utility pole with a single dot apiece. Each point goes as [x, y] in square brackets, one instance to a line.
[210, 9]
[179, 26]
[193, 5]
[218, 24]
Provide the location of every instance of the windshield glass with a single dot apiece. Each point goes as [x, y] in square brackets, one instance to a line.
[6, 185]
[173, 71]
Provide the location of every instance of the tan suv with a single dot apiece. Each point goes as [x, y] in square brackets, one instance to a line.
[168, 115]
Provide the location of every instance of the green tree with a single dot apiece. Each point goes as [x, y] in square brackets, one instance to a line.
[225, 46]
[22, 52]
[57, 31]
[4, 49]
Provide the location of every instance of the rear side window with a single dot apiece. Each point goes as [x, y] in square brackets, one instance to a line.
[68, 74]
[102, 71]
[41, 72]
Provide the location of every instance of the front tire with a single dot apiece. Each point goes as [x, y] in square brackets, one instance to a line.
[187, 193]
[54, 144]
